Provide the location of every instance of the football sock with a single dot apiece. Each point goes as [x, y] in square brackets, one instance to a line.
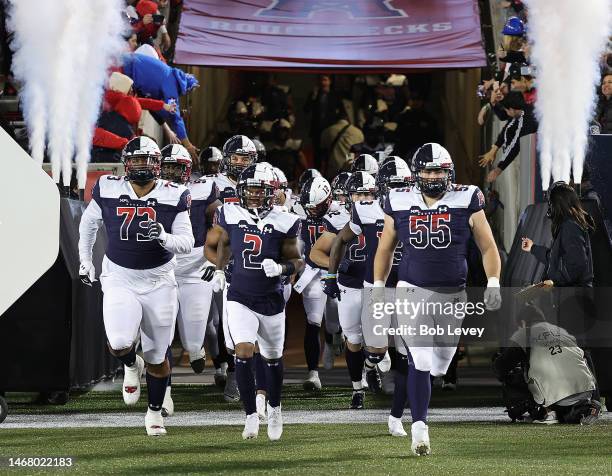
[400, 392]
[231, 363]
[354, 362]
[217, 362]
[312, 346]
[246, 384]
[128, 359]
[393, 355]
[329, 338]
[274, 377]
[156, 389]
[260, 372]
[419, 392]
[170, 358]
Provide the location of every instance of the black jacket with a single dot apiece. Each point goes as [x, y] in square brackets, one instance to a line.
[509, 137]
[568, 261]
[604, 115]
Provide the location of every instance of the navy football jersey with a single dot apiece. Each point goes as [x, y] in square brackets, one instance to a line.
[251, 243]
[125, 219]
[368, 221]
[351, 271]
[312, 229]
[203, 192]
[435, 238]
[227, 188]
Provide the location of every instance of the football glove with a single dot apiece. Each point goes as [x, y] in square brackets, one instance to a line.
[218, 281]
[492, 295]
[271, 268]
[209, 272]
[87, 272]
[330, 286]
[156, 231]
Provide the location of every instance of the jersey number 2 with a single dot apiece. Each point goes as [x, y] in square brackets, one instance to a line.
[128, 216]
[250, 256]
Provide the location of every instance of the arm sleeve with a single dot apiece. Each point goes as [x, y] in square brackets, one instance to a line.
[108, 140]
[510, 151]
[500, 113]
[294, 231]
[151, 104]
[181, 240]
[158, 117]
[176, 123]
[91, 220]
[499, 142]
[477, 202]
[540, 252]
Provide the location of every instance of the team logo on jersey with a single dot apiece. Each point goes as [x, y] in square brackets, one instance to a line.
[267, 229]
[355, 9]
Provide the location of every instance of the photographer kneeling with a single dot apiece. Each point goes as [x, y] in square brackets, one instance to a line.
[554, 370]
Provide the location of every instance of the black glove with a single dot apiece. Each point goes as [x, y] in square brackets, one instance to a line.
[330, 286]
[209, 273]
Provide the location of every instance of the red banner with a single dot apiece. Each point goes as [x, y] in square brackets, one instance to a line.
[380, 35]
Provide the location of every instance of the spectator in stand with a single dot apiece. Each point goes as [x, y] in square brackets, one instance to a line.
[284, 152]
[155, 79]
[151, 23]
[277, 101]
[336, 143]
[522, 80]
[517, 7]
[324, 105]
[604, 109]
[118, 122]
[521, 123]
[374, 141]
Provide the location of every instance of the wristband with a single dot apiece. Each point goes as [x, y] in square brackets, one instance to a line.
[493, 283]
[330, 276]
[288, 268]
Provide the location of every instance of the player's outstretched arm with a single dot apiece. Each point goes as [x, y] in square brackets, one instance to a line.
[486, 244]
[490, 258]
[290, 253]
[319, 253]
[212, 241]
[383, 259]
[91, 220]
[338, 247]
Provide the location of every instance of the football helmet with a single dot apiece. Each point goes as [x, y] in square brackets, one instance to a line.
[141, 158]
[242, 147]
[316, 197]
[393, 173]
[261, 150]
[338, 186]
[211, 154]
[306, 176]
[282, 186]
[432, 156]
[359, 183]
[365, 163]
[256, 189]
[176, 164]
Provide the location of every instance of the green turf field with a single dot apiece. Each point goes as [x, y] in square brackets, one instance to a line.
[198, 397]
[324, 449]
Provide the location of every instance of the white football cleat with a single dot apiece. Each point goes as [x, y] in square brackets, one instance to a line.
[260, 404]
[395, 427]
[312, 382]
[328, 357]
[275, 423]
[385, 364]
[420, 439]
[251, 427]
[168, 405]
[231, 392]
[154, 422]
[131, 381]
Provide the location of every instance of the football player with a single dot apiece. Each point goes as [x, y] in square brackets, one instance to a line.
[365, 163]
[263, 241]
[194, 293]
[315, 200]
[360, 186]
[238, 153]
[147, 223]
[434, 221]
[210, 161]
[366, 225]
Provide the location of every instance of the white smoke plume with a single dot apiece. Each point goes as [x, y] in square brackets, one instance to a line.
[568, 38]
[63, 50]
